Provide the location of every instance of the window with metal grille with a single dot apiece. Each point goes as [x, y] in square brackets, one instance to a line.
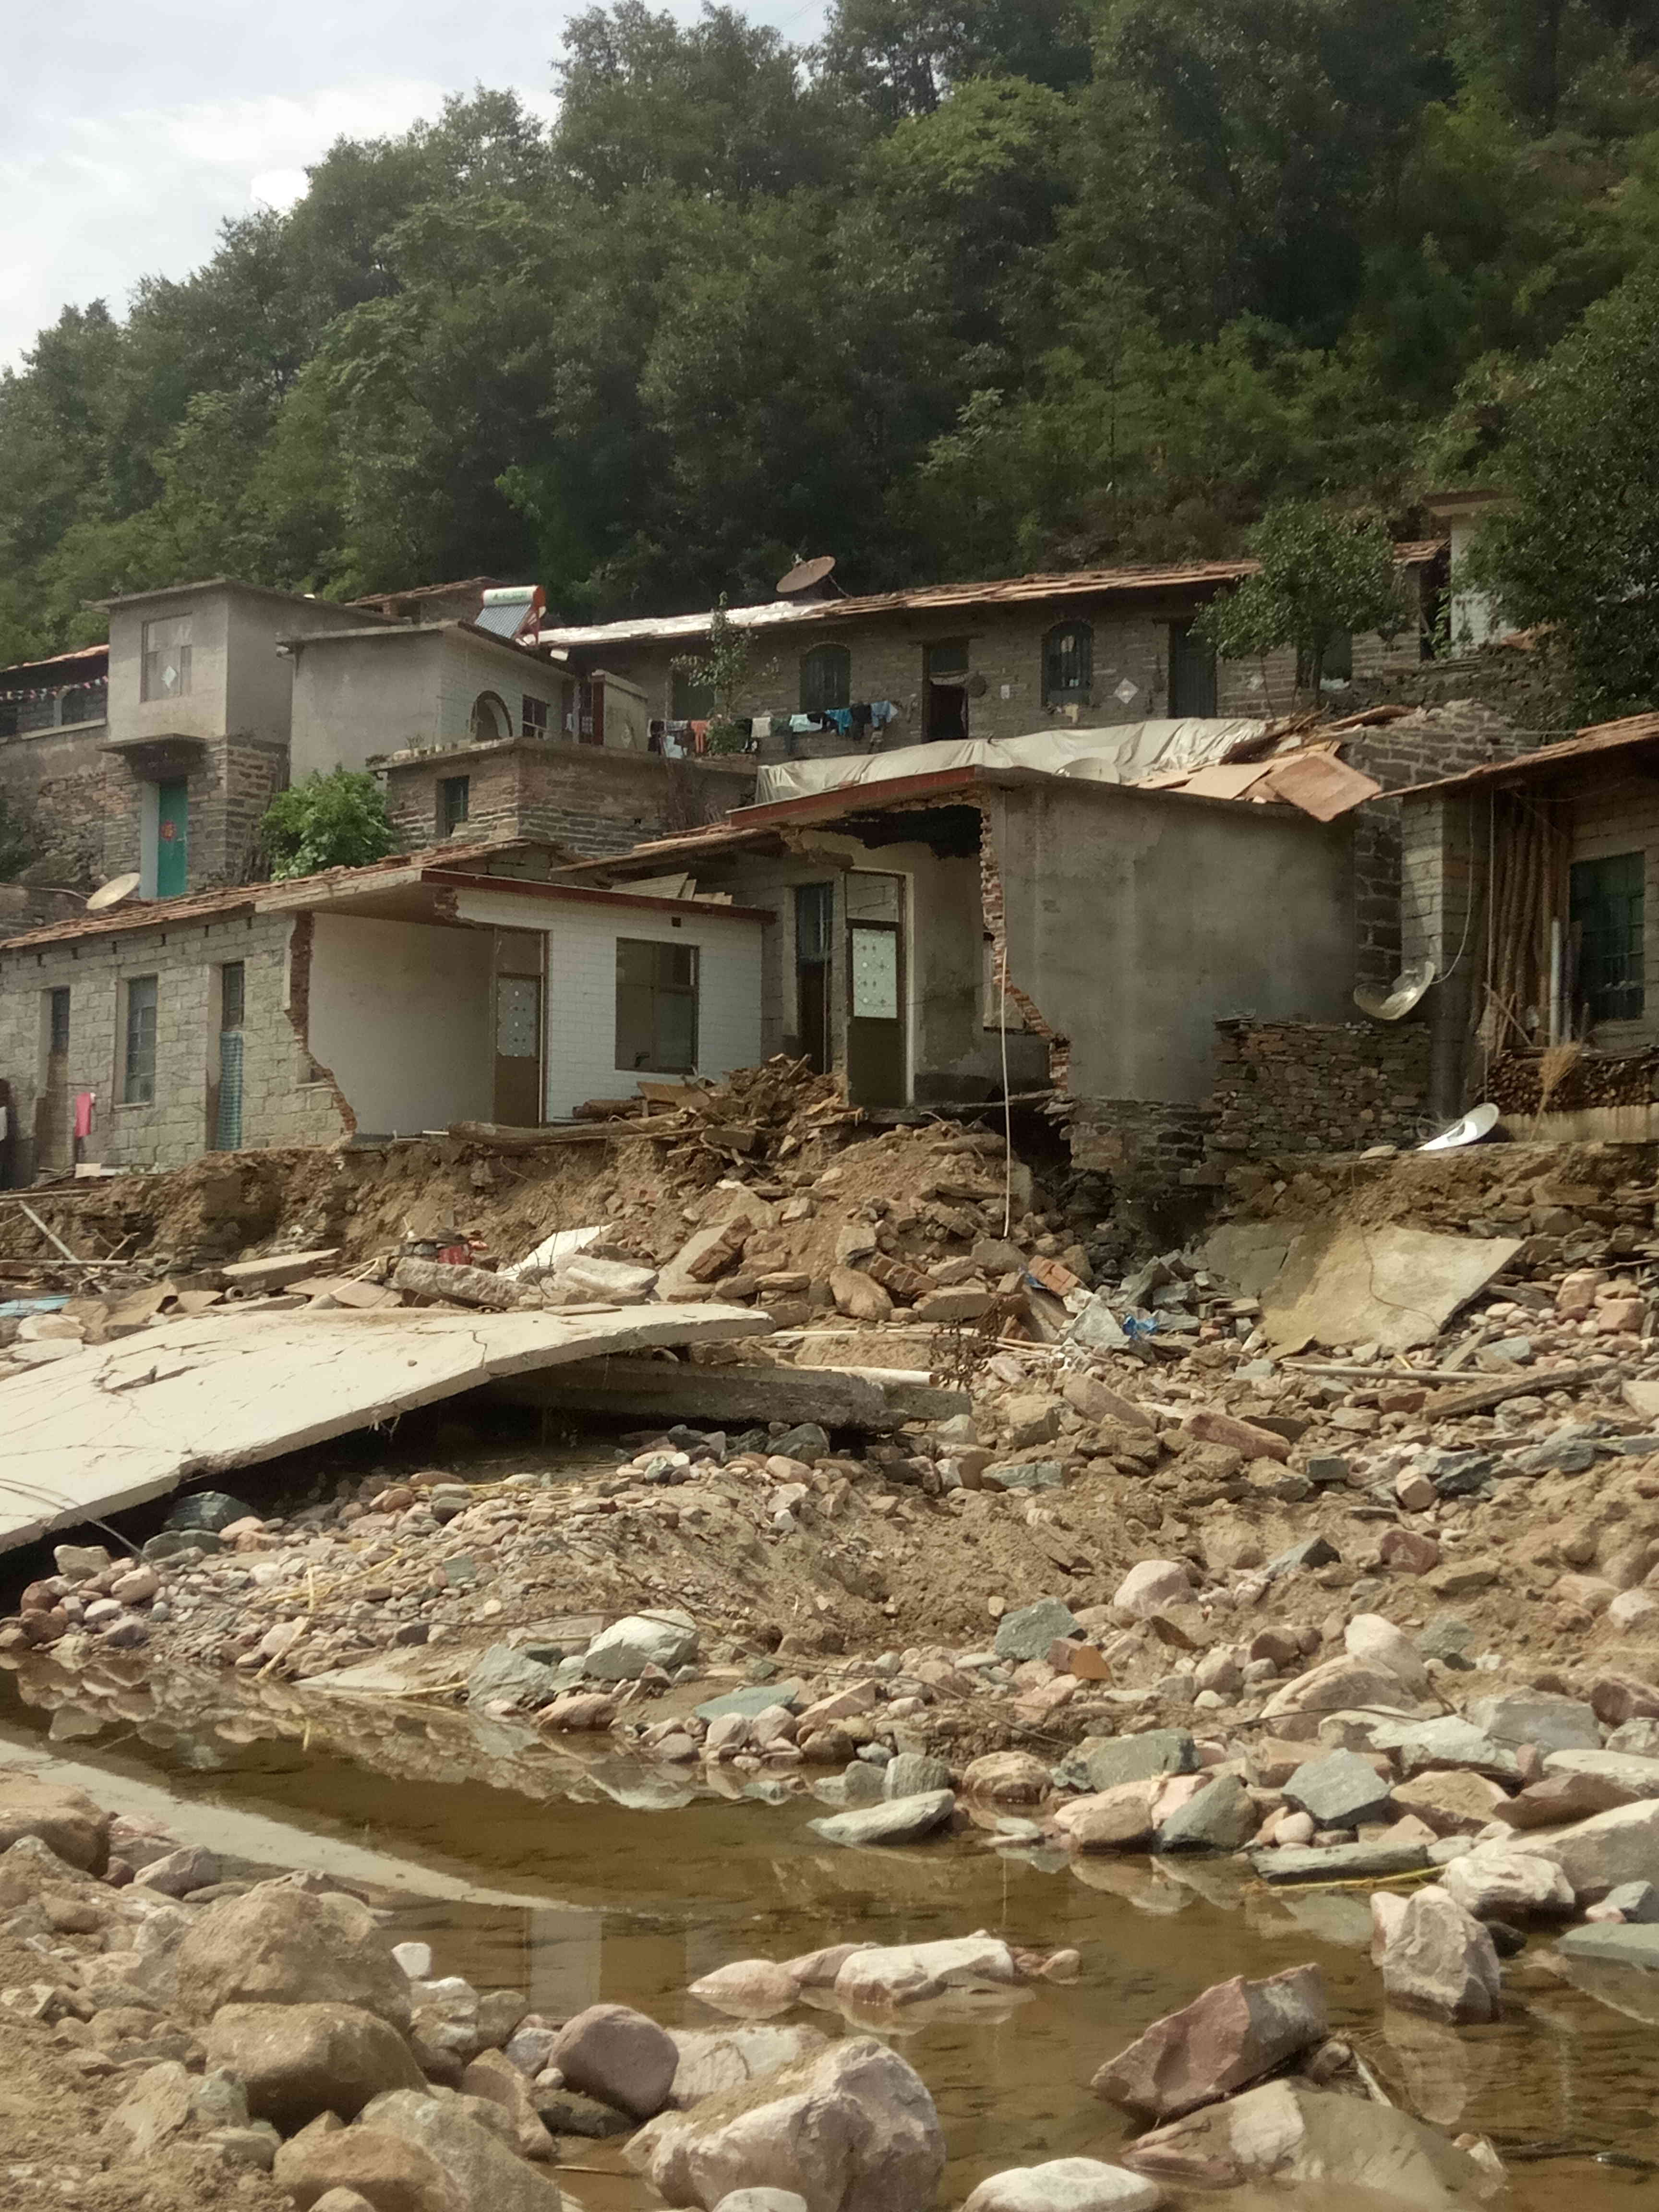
[455, 793]
[1609, 916]
[233, 995]
[656, 1005]
[826, 679]
[138, 1058]
[165, 671]
[1068, 655]
[58, 1020]
[533, 722]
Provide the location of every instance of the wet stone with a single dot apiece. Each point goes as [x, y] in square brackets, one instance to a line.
[1104, 1762]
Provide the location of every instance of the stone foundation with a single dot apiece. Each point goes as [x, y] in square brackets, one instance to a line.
[1314, 1087]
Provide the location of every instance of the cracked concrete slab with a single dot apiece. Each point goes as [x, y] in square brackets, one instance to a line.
[116, 1425]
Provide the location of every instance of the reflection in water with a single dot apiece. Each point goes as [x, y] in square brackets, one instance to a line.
[652, 1878]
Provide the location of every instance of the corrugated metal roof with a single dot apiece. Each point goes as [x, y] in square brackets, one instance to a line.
[236, 898]
[1634, 730]
[78, 652]
[938, 598]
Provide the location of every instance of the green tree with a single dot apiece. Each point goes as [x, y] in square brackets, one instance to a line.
[906, 56]
[332, 821]
[1577, 548]
[1321, 575]
[726, 670]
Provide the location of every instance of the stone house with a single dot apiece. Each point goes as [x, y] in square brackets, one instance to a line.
[1091, 648]
[1532, 883]
[459, 984]
[158, 754]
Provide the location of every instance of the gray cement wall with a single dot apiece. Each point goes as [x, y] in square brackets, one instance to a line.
[1137, 920]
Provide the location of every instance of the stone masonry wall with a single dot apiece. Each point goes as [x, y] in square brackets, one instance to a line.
[590, 800]
[1436, 741]
[1313, 1087]
[283, 1100]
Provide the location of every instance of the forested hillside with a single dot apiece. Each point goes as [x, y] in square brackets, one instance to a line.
[974, 286]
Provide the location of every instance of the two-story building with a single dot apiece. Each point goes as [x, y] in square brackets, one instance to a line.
[157, 755]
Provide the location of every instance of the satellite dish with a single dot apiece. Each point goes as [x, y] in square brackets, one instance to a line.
[806, 576]
[1479, 1122]
[1408, 988]
[112, 893]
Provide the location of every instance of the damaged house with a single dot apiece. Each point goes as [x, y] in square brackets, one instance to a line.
[454, 985]
[1532, 885]
[938, 939]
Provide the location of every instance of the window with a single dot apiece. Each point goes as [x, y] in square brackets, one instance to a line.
[689, 702]
[1608, 914]
[826, 679]
[533, 723]
[233, 995]
[1192, 672]
[57, 1022]
[656, 1005]
[138, 1058]
[1068, 655]
[453, 794]
[166, 671]
[490, 721]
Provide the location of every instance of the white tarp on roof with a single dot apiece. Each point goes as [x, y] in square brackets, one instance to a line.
[1125, 752]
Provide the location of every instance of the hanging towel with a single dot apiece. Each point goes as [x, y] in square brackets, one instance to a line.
[882, 711]
[84, 1102]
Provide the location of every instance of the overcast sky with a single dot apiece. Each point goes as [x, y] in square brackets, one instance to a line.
[136, 126]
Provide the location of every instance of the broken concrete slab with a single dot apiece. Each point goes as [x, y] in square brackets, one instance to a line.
[1386, 1285]
[115, 1424]
[279, 1270]
[671, 1391]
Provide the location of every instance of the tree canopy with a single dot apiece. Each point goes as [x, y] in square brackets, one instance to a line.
[969, 286]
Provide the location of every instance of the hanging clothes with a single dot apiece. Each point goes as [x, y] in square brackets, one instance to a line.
[841, 717]
[84, 1102]
[882, 711]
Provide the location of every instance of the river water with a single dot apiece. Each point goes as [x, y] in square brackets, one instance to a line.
[590, 1898]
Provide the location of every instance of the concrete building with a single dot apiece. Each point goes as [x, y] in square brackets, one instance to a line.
[1089, 648]
[459, 985]
[938, 939]
[1532, 885]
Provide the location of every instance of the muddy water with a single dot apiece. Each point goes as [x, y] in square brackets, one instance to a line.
[632, 1905]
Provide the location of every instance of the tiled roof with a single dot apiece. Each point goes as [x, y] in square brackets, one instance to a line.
[1600, 738]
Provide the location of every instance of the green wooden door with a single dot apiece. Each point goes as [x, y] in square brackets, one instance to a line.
[172, 839]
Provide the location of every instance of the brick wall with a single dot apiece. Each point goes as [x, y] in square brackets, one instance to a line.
[1315, 1087]
[283, 1102]
[589, 798]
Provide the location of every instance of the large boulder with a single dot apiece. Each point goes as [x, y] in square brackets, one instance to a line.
[619, 2056]
[494, 2078]
[853, 2131]
[621, 1652]
[1118, 1818]
[1340, 1685]
[1439, 1960]
[1340, 1790]
[715, 2061]
[1599, 1854]
[484, 2174]
[1496, 1881]
[1286, 2133]
[503, 1675]
[1226, 2039]
[1007, 1777]
[1067, 2184]
[907, 1973]
[1222, 1817]
[1540, 1716]
[1375, 1641]
[156, 2108]
[280, 1945]
[66, 1821]
[298, 2060]
[387, 2172]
